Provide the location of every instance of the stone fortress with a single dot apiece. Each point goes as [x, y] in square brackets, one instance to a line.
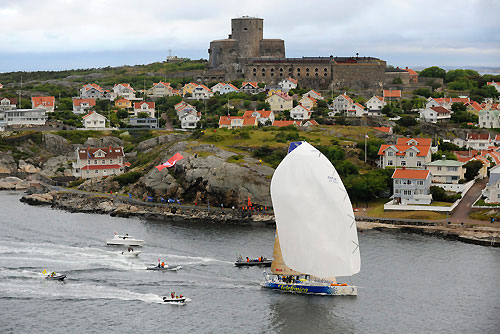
[246, 54]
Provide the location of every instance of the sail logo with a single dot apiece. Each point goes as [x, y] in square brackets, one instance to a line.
[332, 179]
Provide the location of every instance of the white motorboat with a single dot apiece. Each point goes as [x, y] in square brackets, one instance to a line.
[130, 253]
[125, 240]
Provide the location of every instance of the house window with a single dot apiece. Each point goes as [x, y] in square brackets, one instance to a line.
[439, 168]
[420, 182]
[396, 191]
[407, 192]
[95, 162]
[389, 163]
[96, 171]
[397, 181]
[410, 154]
[403, 163]
[419, 163]
[390, 154]
[103, 161]
[498, 195]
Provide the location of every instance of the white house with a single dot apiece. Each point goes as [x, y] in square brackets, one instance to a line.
[357, 110]
[287, 84]
[489, 118]
[446, 102]
[202, 92]
[412, 186]
[492, 189]
[231, 122]
[94, 91]
[308, 102]
[478, 141]
[375, 103]
[81, 106]
[407, 152]
[342, 104]
[263, 116]
[446, 171]
[299, 112]
[124, 90]
[44, 102]
[224, 88]
[94, 121]
[435, 115]
[8, 103]
[99, 162]
[24, 117]
[190, 120]
[314, 94]
[144, 107]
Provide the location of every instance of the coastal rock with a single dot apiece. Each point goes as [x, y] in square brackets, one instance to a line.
[55, 166]
[7, 163]
[25, 167]
[38, 199]
[56, 144]
[106, 206]
[153, 142]
[103, 185]
[103, 142]
[12, 183]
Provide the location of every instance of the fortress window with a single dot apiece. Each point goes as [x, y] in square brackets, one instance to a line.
[316, 69]
[254, 69]
[307, 69]
[281, 69]
[245, 29]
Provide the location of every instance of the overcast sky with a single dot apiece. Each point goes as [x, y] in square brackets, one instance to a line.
[64, 34]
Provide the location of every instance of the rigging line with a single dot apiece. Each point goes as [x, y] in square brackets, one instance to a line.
[357, 246]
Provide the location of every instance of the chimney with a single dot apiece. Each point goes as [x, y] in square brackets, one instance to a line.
[443, 157]
[404, 167]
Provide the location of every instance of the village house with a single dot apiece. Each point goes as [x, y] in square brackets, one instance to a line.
[282, 123]
[314, 94]
[478, 141]
[94, 121]
[273, 89]
[299, 112]
[94, 91]
[492, 189]
[407, 152]
[473, 107]
[280, 102]
[148, 122]
[309, 122]
[494, 84]
[445, 102]
[392, 95]
[187, 89]
[384, 129]
[375, 103]
[435, 115]
[99, 162]
[81, 106]
[411, 186]
[232, 122]
[471, 155]
[308, 102]
[144, 107]
[44, 102]
[224, 88]
[190, 120]
[8, 103]
[124, 90]
[446, 171]
[341, 104]
[489, 118]
[202, 92]
[162, 89]
[250, 88]
[287, 84]
[357, 110]
[413, 75]
[24, 117]
[263, 116]
[123, 104]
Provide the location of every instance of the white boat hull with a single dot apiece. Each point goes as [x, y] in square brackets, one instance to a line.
[125, 242]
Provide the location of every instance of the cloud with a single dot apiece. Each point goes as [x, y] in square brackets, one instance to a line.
[316, 27]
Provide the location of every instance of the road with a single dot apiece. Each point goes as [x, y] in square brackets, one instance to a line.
[461, 212]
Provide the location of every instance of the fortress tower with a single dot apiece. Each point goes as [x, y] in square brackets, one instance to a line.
[246, 41]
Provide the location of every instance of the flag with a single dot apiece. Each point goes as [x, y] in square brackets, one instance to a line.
[170, 162]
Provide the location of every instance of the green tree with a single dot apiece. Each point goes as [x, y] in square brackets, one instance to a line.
[473, 167]
[407, 120]
[426, 92]
[433, 72]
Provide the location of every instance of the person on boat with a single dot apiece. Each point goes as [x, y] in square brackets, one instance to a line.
[172, 295]
[248, 260]
[52, 274]
[180, 296]
[163, 264]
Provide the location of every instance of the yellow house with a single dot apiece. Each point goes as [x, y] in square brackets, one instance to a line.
[272, 91]
[280, 102]
[123, 103]
[189, 88]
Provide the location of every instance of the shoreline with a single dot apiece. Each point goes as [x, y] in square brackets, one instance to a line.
[125, 208]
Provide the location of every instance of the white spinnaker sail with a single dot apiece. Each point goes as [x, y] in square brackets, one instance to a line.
[314, 216]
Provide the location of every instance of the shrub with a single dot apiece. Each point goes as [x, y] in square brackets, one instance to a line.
[128, 178]
[440, 195]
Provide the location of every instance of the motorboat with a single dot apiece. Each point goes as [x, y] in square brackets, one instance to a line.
[130, 253]
[124, 240]
[260, 262]
[164, 268]
[173, 299]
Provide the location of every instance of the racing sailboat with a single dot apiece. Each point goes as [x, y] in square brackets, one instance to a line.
[316, 237]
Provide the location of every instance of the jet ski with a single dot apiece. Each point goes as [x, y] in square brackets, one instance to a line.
[55, 276]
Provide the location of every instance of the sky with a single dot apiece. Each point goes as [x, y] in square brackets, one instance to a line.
[67, 34]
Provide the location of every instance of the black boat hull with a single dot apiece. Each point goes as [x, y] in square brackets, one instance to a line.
[266, 263]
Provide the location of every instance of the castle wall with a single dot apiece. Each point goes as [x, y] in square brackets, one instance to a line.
[360, 75]
[248, 31]
[274, 48]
